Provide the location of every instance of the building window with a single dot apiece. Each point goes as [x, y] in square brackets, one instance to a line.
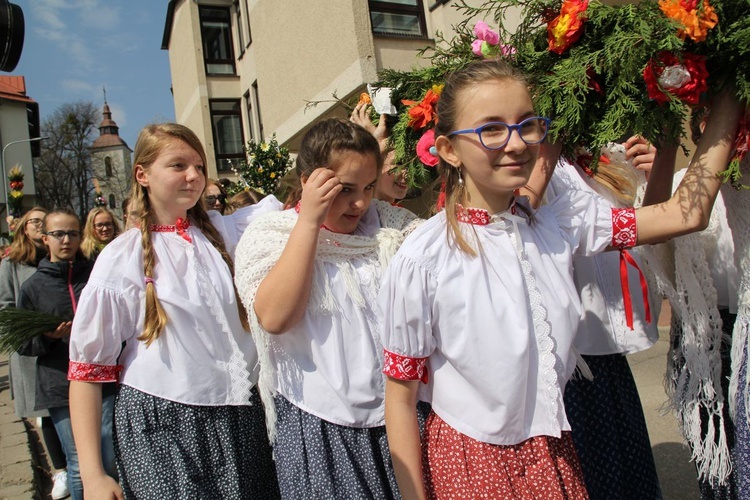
[112, 202]
[108, 166]
[226, 121]
[240, 35]
[249, 110]
[398, 18]
[247, 21]
[216, 32]
[256, 96]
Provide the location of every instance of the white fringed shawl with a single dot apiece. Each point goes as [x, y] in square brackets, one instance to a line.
[262, 245]
[693, 379]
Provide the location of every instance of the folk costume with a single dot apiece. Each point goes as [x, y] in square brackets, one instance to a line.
[188, 421]
[605, 413]
[492, 338]
[324, 374]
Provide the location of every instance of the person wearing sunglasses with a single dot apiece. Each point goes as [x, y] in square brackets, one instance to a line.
[101, 228]
[215, 196]
[55, 289]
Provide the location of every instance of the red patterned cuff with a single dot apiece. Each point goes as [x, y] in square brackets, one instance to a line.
[405, 368]
[87, 372]
[624, 231]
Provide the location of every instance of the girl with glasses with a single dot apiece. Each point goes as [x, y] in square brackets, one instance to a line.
[24, 255]
[479, 303]
[55, 289]
[216, 196]
[101, 228]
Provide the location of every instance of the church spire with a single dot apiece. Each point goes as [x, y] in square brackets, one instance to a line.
[109, 132]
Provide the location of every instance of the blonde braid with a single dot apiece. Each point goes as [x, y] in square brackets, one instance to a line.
[202, 222]
[156, 319]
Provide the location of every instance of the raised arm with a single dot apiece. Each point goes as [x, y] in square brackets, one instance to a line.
[282, 296]
[404, 441]
[689, 208]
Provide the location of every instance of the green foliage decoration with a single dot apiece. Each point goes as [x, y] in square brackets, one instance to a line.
[262, 168]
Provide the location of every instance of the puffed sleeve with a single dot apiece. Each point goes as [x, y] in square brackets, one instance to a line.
[104, 319]
[586, 220]
[232, 226]
[405, 305]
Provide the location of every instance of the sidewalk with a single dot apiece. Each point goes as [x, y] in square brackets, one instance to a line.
[676, 473]
[17, 481]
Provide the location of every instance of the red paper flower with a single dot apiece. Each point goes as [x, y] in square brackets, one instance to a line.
[742, 141]
[565, 30]
[593, 82]
[684, 79]
[426, 149]
[422, 114]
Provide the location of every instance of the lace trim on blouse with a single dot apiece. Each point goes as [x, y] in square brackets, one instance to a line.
[542, 328]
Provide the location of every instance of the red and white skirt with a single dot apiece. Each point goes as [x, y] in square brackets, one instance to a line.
[457, 467]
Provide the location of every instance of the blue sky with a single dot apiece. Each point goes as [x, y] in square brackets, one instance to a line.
[74, 47]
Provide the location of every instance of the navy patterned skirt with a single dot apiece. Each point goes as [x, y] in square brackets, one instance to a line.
[316, 459]
[172, 450]
[609, 432]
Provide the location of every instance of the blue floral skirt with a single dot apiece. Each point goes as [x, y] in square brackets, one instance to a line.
[166, 449]
[609, 432]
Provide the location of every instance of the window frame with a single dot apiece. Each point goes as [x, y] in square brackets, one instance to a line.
[240, 32]
[215, 133]
[203, 17]
[256, 97]
[383, 6]
[247, 21]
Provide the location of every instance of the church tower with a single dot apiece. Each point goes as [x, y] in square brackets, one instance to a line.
[111, 162]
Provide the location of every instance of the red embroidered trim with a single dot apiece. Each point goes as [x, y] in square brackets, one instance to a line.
[88, 372]
[405, 368]
[624, 230]
[180, 228]
[478, 216]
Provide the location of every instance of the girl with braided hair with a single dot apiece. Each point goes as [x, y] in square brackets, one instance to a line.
[161, 316]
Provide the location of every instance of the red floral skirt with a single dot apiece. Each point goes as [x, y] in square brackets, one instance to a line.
[457, 467]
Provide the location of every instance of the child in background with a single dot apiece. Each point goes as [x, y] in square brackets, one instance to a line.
[55, 288]
[392, 185]
[188, 419]
[480, 304]
[309, 277]
[101, 228]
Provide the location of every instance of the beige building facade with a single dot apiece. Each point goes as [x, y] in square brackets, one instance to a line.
[245, 69]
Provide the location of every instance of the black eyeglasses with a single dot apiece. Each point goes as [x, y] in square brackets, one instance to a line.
[211, 199]
[60, 235]
[35, 222]
[495, 135]
[103, 225]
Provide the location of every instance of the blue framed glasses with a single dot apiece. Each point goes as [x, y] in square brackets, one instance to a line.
[495, 135]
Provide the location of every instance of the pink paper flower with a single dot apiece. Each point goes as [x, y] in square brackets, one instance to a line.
[485, 33]
[426, 149]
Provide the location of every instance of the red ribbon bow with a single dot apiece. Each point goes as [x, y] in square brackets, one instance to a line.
[181, 227]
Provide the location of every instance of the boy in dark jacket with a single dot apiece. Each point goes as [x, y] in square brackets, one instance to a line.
[55, 289]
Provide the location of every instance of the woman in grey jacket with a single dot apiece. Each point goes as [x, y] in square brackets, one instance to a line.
[24, 254]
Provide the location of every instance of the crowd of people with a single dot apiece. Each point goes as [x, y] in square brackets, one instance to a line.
[335, 345]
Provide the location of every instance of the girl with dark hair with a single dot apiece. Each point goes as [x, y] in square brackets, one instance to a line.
[309, 276]
[188, 419]
[479, 303]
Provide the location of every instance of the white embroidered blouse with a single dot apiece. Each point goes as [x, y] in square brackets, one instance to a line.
[329, 364]
[492, 335]
[203, 356]
[603, 329]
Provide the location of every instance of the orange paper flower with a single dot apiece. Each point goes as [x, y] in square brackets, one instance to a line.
[364, 98]
[696, 17]
[422, 114]
[565, 30]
